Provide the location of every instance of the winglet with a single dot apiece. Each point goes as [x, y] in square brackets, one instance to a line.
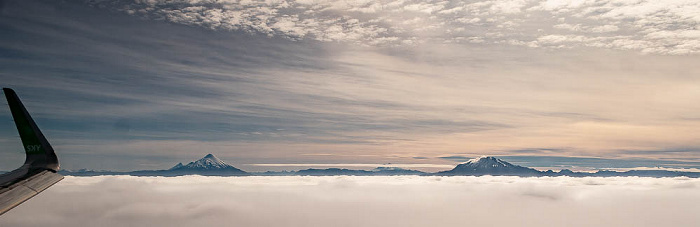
[40, 154]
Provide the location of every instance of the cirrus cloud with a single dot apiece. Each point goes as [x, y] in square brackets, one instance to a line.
[669, 27]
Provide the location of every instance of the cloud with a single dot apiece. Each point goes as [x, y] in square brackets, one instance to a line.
[264, 82]
[361, 201]
[456, 158]
[545, 162]
[518, 22]
[696, 170]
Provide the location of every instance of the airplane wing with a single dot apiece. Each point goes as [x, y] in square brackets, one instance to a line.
[40, 167]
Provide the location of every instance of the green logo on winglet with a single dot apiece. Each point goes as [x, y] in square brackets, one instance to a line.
[33, 149]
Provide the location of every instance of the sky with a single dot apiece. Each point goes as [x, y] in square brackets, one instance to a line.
[362, 201]
[282, 85]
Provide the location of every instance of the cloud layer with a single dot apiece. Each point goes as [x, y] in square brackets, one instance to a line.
[115, 91]
[669, 27]
[361, 201]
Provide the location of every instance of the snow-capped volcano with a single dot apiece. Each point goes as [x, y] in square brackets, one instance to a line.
[486, 165]
[207, 164]
[484, 162]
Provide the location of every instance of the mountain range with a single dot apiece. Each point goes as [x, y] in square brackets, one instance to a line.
[210, 165]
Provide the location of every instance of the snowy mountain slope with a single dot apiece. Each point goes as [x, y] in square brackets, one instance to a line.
[486, 165]
[208, 163]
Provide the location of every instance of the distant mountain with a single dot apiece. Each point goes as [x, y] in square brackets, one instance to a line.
[496, 167]
[89, 172]
[640, 173]
[486, 165]
[392, 171]
[333, 172]
[379, 171]
[208, 165]
[213, 166]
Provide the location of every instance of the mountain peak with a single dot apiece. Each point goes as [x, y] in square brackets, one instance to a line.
[488, 165]
[483, 158]
[210, 156]
[487, 161]
[207, 163]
